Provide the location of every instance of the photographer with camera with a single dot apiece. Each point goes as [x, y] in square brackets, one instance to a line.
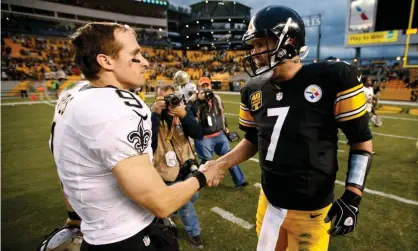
[172, 125]
[209, 111]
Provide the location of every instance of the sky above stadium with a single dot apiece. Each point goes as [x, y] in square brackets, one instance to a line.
[333, 13]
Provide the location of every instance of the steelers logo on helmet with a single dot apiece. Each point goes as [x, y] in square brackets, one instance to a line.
[313, 93]
[274, 34]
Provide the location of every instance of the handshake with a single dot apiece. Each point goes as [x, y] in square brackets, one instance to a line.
[214, 172]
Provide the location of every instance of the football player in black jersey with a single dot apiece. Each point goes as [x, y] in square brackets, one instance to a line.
[291, 115]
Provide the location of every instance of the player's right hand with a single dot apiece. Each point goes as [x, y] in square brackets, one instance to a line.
[214, 173]
[158, 105]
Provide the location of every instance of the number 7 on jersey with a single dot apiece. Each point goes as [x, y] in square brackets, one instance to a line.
[281, 113]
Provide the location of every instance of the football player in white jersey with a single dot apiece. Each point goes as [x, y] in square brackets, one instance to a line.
[101, 142]
[371, 104]
[187, 89]
[368, 90]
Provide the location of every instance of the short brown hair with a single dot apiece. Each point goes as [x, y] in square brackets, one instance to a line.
[93, 39]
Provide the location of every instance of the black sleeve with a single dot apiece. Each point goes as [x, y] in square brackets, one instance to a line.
[350, 104]
[357, 130]
[155, 120]
[252, 136]
[191, 127]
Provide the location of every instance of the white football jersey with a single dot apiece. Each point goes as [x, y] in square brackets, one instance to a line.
[186, 89]
[368, 91]
[93, 130]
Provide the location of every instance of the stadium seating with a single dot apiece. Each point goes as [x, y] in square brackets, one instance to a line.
[38, 58]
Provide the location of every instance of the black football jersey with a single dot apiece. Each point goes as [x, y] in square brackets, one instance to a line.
[297, 125]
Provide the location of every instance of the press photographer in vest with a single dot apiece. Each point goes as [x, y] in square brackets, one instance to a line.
[209, 111]
[174, 158]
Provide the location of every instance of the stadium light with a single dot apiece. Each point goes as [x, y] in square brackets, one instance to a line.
[229, 19]
[187, 26]
[398, 58]
[211, 32]
[187, 36]
[197, 22]
[211, 20]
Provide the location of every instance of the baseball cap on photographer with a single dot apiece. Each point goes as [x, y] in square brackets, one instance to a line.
[205, 80]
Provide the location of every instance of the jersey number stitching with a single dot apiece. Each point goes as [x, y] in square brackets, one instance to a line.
[281, 114]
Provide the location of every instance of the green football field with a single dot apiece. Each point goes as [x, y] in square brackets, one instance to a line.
[31, 204]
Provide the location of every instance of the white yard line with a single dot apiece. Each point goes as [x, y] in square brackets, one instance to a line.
[398, 118]
[394, 136]
[386, 195]
[28, 103]
[385, 102]
[382, 116]
[377, 133]
[232, 218]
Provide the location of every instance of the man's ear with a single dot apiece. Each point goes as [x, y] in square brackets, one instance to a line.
[105, 61]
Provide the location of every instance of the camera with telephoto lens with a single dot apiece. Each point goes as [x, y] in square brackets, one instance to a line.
[209, 94]
[172, 100]
[188, 167]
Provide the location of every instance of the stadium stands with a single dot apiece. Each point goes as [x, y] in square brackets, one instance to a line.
[44, 58]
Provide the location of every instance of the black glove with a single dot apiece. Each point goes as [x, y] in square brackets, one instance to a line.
[345, 211]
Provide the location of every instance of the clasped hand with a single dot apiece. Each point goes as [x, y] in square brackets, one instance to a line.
[214, 172]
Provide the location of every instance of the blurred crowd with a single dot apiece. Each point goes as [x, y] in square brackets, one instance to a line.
[41, 58]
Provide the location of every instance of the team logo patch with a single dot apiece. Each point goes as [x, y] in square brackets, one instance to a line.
[147, 240]
[349, 222]
[256, 100]
[313, 93]
[279, 96]
[141, 137]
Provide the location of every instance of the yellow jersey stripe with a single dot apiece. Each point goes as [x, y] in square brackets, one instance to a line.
[246, 123]
[351, 113]
[355, 88]
[350, 103]
[348, 95]
[352, 116]
[245, 115]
